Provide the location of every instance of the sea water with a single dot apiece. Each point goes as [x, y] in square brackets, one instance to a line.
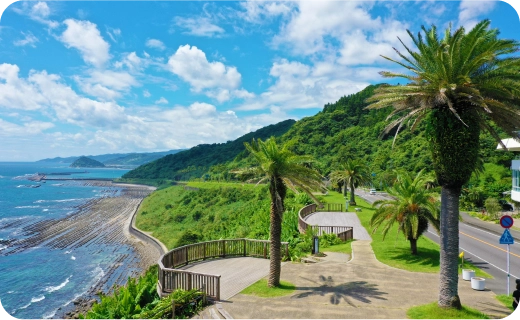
[37, 282]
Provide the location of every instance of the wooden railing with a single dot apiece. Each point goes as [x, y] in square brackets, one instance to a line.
[171, 278]
[331, 207]
[344, 233]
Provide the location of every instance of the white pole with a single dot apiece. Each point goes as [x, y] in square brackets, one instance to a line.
[508, 269]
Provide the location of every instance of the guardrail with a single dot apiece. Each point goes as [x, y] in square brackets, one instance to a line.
[170, 279]
[344, 233]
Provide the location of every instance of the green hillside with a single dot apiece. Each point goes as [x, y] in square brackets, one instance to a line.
[84, 162]
[197, 160]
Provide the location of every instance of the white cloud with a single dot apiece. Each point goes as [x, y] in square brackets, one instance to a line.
[46, 92]
[106, 84]
[132, 62]
[200, 26]
[301, 86]
[471, 11]
[39, 12]
[41, 9]
[113, 33]
[85, 37]
[261, 11]
[191, 65]
[154, 43]
[146, 94]
[199, 109]
[28, 128]
[162, 100]
[29, 39]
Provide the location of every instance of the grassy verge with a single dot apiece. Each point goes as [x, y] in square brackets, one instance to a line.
[261, 289]
[507, 300]
[395, 249]
[432, 311]
[342, 248]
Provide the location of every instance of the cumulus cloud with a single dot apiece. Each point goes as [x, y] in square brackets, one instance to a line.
[192, 66]
[39, 12]
[154, 43]
[471, 11]
[28, 40]
[85, 37]
[262, 11]
[162, 100]
[46, 92]
[28, 128]
[146, 94]
[200, 26]
[106, 84]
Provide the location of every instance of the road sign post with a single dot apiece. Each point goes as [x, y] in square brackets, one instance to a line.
[506, 238]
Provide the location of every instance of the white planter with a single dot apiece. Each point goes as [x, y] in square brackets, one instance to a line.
[467, 274]
[478, 283]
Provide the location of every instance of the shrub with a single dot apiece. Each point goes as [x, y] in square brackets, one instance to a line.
[493, 207]
[188, 237]
[179, 217]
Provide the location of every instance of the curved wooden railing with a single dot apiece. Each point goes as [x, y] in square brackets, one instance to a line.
[171, 278]
[344, 233]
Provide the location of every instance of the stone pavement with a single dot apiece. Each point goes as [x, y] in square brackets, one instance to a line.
[362, 288]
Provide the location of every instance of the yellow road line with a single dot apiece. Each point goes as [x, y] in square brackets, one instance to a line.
[489, 244]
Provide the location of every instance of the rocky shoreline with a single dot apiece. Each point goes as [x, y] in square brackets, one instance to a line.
[98, 222]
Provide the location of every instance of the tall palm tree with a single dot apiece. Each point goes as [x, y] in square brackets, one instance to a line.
[353, 173]
[459, 84]
[283, 169]
[412, 207]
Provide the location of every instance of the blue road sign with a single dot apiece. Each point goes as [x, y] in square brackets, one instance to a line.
[506, 221]
[506, 238]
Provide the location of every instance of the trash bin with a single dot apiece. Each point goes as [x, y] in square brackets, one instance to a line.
[315, 245]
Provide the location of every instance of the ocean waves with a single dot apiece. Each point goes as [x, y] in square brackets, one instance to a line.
[58, 287]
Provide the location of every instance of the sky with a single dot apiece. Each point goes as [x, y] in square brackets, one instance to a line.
[95, 77]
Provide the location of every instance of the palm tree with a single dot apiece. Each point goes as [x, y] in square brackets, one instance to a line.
[412, 207]
[353, 173]
[283, 169]
[459, 84]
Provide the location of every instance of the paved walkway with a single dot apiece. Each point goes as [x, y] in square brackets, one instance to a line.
[348, 219]
[236, 273]
[363, 288]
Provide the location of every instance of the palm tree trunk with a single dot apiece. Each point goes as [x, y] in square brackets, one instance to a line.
[352, 196]
[449, 241]
[275, 234]
[413, 246]
[344, 188]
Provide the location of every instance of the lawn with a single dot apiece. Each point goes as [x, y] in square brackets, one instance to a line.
[345, 247]
[433, 311]
[261, 289]
[395, 249]
[507, 300]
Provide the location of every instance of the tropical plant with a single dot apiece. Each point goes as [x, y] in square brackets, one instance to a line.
[283, 169]
[412, 207]
[493, 207]
[353, 173]
[459, 84]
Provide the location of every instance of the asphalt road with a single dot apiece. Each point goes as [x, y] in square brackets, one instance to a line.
[482, 248]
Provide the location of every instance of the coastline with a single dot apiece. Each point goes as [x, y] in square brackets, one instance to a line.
[147, 249]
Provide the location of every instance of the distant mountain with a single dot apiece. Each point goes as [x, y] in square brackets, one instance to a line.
[196, 161]
[135, 159]
[84, 162]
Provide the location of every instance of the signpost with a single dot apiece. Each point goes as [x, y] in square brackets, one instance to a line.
[506, 238]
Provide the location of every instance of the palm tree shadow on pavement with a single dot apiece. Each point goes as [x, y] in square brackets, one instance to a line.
[361, 291]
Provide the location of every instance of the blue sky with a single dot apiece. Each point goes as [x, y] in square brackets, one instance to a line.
[100, 77]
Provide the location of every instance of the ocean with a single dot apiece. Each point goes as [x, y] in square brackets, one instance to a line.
[39, 281]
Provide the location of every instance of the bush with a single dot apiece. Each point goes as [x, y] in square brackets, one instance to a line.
[187, 303]
[188, 237]
[493, 207]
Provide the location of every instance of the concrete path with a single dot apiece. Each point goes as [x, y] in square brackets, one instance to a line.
[236, 273]
[348, 219]
[363, 288]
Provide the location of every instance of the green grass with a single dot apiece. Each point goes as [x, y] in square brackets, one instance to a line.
[345, 247]
[395, 249]
[261, 289]
[433, 311]
[507, 300]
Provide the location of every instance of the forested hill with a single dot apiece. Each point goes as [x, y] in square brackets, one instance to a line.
[197, 160]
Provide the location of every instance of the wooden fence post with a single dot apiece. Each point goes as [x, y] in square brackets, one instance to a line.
[245, 247]
[224, 248]
[186, 248]
[265, 250]
[204, 248]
